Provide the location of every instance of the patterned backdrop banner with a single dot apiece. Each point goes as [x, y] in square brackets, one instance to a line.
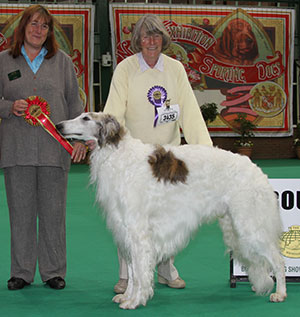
[74, 28]
[238, 58]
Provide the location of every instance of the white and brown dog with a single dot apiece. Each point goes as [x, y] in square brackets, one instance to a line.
[154, 198]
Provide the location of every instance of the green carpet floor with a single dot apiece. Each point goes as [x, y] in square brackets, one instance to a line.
[93, 268]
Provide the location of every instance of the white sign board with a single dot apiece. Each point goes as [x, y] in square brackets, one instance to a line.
[288, 191]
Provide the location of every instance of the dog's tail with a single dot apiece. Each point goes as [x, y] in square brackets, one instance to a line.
[260, 278]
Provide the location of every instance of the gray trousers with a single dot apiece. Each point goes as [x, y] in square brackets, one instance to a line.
[36, 198]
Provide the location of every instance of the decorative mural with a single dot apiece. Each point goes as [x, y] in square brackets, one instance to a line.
[238, 58]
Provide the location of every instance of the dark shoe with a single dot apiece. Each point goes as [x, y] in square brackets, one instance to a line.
[16, 283]
[56, 282]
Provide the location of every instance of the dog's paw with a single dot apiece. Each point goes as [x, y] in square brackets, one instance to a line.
[120, 298]
[276, 297]
[128, 304]
[131, 304]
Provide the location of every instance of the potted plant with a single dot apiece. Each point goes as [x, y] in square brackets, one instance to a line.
[209, 112]
[244, 127]
[297, 140]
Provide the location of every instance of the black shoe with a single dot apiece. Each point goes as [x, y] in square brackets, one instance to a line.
[16, 283]
[56, 282]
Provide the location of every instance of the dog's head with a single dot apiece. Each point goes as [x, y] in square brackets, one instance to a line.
[237, 44]
[244, 42]
[103, 128]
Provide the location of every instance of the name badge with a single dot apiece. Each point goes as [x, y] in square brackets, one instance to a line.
[14, 75]
[168, 113]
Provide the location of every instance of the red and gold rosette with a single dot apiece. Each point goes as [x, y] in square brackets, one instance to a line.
[37, 113]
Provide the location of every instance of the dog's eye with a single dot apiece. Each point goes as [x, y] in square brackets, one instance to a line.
[86, 118]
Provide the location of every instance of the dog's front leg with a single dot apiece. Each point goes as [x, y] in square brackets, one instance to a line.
[140, 273]
[139, 288]
[120, 298]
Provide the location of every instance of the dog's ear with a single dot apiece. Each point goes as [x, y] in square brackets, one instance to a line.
[226, 41]
[253, 54]
[110, 131]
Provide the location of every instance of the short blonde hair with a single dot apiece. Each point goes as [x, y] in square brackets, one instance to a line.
[152, 24]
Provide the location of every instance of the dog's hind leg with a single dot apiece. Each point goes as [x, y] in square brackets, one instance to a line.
[277, 263]
[262, 257]
[259, 274]
[229, 237]
[259, 256]
[280, 294]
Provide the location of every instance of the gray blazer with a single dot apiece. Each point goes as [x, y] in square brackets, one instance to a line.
[56, 82]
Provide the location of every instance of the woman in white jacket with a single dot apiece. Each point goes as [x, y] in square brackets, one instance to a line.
[150, 94]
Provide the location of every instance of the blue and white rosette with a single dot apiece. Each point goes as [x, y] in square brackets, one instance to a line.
[157, 96]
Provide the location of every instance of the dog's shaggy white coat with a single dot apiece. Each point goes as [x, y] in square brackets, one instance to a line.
[153, 219]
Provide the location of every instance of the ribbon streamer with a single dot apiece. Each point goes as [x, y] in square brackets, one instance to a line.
[36, 114]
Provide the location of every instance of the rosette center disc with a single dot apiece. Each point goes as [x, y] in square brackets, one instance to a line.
[35, 110]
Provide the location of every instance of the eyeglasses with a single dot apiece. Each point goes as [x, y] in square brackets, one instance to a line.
[43, 26]
[154, 37]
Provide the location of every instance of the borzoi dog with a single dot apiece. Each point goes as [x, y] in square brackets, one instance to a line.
[155, 197]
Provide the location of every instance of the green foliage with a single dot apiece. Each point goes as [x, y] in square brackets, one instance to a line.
[209, 112]
[244, 127]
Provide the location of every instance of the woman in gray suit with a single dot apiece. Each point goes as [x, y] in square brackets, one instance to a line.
[35, 164]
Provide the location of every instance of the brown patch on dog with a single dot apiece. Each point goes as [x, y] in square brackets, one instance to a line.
[167, 167]
[115, 138]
